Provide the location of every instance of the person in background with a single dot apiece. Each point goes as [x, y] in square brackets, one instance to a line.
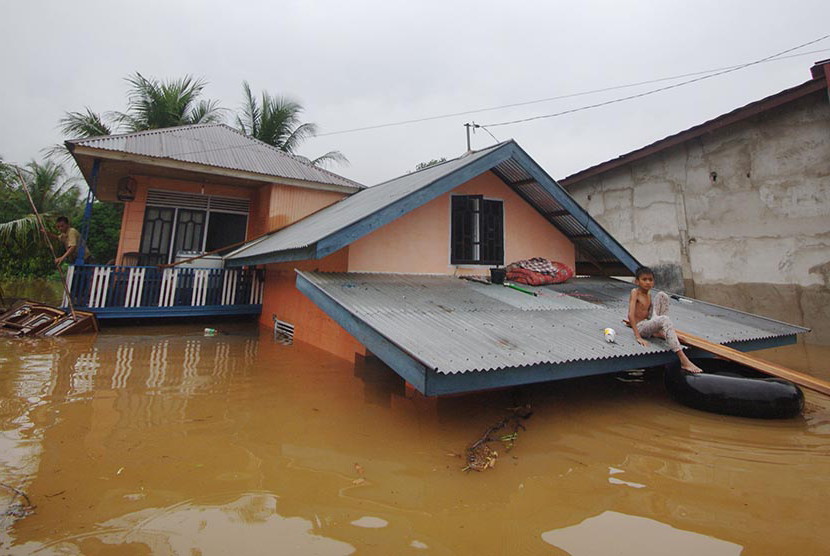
[71, 240]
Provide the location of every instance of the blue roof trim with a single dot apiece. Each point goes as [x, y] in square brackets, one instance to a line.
[175, 311]
[439, 384]
[302, 254]
[418, 198]
[405, 365]
[564, 198]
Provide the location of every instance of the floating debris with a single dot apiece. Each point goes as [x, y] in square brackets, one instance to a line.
[28, 318]
[480, 455]
[18, 510]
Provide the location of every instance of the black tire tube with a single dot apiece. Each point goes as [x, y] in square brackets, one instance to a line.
[731, 389]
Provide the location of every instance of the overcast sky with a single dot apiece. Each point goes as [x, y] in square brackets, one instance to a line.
[366, 62]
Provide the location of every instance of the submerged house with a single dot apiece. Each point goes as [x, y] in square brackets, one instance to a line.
[735, 210]
[186, 191]
[378, 270]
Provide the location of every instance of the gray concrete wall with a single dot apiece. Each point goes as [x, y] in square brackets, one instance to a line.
[738, 217]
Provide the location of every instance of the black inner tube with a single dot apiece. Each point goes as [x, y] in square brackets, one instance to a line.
[731, 389]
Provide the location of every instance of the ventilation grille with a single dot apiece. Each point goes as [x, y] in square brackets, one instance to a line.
[283, 331]
[233, 204]
[177, 199]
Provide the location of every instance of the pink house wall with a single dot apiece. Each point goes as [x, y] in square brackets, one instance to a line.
[272, 206]
[419, 242]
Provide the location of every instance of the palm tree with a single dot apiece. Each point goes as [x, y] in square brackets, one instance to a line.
[51, 193]
[154, 104]
[151, 104]
[276, 120]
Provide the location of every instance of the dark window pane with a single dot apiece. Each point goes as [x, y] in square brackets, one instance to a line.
[225, 229]
[155, 233]
[477, 230]
[190, 228]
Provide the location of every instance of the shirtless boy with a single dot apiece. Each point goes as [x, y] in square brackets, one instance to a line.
[647, 319]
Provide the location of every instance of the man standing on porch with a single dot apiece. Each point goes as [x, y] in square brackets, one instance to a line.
[71, 239]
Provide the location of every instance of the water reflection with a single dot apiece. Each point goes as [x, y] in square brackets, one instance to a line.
[627, 535]
[249, 524]
[173, 442]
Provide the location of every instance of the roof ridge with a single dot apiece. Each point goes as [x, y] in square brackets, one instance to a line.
[459, 157]
[147, 131]
[226, 127]
[297, 158]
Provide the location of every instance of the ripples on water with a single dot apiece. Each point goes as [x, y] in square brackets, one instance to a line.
[163, 441]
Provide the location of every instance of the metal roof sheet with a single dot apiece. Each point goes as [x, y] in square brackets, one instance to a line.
[329, 220]
[215, 145]
[512, 166]
[457, 326]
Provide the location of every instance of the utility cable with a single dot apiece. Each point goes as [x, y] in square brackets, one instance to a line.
[658, 90]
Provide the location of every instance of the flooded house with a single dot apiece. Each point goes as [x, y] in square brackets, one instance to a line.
[378, 271]
[188, 191]
[735, 210]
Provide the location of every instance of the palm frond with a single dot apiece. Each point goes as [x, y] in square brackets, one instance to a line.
[251, 113]
[331, 157]
[153, 104]
[206, 112]
[18, 228]
[83, 124]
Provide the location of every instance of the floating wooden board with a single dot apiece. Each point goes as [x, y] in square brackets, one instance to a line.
[29, 318]
[756, 363]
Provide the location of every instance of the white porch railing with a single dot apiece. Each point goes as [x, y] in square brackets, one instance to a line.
[130, 290]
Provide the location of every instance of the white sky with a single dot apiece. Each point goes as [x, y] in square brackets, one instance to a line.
[366, 62]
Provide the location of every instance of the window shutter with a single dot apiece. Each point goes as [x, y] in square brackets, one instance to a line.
[463, 227]
[492, 232]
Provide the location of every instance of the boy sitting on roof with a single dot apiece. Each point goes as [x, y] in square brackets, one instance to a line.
[648, 319]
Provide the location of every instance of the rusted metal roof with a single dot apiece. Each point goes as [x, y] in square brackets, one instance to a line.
[216, 145]
[454, 326]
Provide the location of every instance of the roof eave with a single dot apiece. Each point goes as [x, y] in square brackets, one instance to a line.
[80, 151]
[735, 116]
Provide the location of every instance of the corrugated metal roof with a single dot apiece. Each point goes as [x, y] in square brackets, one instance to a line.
[512, 169]
[325, 222]
[215, 145]
[457, 326]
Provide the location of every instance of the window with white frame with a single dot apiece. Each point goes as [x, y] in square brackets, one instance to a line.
[177, 222]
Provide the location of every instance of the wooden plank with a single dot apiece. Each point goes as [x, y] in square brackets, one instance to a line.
[756, 363]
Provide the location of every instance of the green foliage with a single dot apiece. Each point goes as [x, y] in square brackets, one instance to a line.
[154, 104]
[151, 104]
[105, 230]
[276, 120]
[23, 250]
[433, 162]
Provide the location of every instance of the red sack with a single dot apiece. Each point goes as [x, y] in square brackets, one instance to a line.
[538, 272]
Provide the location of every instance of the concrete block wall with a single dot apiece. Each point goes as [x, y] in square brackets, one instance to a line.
[739, 216]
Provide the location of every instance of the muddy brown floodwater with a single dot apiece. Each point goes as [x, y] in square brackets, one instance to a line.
[160, 440]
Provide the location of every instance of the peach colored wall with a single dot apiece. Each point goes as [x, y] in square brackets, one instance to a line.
[289, 204]
[312, 325]
[133, 217]
[272, 206]
[419, 242]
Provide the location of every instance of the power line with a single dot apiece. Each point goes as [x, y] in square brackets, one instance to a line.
[659, 89]
[720, 71]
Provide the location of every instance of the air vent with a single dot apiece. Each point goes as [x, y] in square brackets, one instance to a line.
[177, 199]
[232, 204]
[283, 331]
